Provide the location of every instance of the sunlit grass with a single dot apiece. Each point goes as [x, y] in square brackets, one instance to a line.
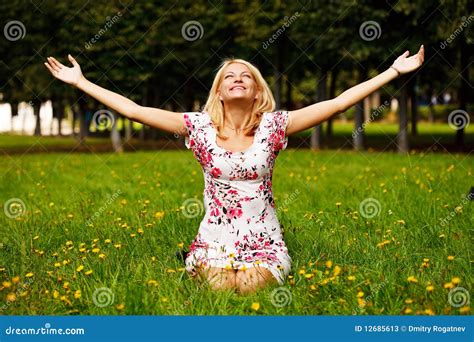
[116, 221]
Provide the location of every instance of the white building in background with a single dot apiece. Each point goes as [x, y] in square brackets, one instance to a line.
[25, 121]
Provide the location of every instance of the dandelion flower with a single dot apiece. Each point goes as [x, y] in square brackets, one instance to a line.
[430, 288]
[88, 272]
[412, 279]
[255, 306]
[450, 257]
[79, 268]
[455, 280]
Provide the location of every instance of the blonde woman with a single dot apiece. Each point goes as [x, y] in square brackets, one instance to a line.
[236, 139]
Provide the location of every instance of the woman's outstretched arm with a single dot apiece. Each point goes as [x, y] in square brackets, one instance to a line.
[310, 116]
[162, 119]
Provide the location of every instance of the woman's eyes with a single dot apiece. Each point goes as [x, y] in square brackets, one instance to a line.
[231, 76]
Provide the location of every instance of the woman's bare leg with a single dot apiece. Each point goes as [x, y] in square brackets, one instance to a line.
[252, 279]
[218, 278]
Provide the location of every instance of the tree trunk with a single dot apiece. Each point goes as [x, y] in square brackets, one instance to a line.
[82, 119]
[403, 119]
[317, 133]
[332, 94]
[14, 109]
[466, 53]
[36, 111]
[115, 135]
[358, 136]
[413, 106]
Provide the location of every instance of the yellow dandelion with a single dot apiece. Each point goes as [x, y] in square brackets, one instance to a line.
[455, 280]
[313, 287]
[57, 264]
[430, 288]
[140, 231]
[329, 264]
[351, 278]
[152, 282]
[88, 272]
[407, 311]
[429, 312]
[170, 270]
[107, 241]
[338, 204]
[360, 294]
[412, 279]
[79, 268]
[450, 257]
[402, 222]
[181, 245]
[448, 285]
[102, 256]
[55, 294]
[255, 306]
[120, 306]
[464, 309]
[159, 214]
[118, 245]
[95, 250]
[408, 301]
[337, 270]
[11, 297]
[16, 279]
[6, 284]
[309, 276]
[77, 294]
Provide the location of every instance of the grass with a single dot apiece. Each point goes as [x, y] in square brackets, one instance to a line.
[120, 217]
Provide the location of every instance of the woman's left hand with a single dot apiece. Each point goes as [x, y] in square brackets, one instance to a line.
[406, 64]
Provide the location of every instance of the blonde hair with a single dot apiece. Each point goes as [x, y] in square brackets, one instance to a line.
[264, 103]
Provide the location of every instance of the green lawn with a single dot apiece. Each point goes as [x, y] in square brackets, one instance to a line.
[395, 262]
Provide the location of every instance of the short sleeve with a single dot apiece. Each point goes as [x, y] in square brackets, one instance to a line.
[194, 121]
[280, 122]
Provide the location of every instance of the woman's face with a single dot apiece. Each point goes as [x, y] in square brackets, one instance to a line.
[237, 83]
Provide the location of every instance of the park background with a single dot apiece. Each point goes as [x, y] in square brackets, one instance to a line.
[375, 203]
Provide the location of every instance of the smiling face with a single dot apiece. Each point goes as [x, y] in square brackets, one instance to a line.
[237, 83]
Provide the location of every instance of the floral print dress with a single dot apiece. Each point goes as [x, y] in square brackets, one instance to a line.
[240, 228]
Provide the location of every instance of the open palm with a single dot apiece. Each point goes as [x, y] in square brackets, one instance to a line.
[64, 73]
[405, 65]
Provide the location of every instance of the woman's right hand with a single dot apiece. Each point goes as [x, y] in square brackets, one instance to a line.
[68, 75]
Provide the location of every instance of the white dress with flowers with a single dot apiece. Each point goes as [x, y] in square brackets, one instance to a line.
[240, 228]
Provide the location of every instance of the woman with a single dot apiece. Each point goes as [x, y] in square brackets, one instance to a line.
[236, 139]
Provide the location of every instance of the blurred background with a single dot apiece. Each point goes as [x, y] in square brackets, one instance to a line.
[165, 54]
